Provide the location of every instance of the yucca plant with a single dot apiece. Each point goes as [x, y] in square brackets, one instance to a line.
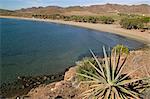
[109, 82]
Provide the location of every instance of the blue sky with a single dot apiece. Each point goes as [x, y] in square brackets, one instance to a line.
[17, 4]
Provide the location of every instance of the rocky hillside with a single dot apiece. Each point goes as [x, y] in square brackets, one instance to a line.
[85, 10]
[97, 9]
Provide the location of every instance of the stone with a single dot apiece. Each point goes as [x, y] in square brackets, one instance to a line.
[70, 74]
[59, 97]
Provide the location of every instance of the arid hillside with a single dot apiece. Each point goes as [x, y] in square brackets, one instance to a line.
[85, 10]
[97, 9]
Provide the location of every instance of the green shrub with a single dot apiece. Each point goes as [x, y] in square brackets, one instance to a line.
[106, 20]
[145, 19]
[131, 23]
[121, 48]
[84, 65]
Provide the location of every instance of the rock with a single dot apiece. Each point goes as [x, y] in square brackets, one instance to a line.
[52, 89]
[44, 78]
[27, 85]
[59, 85]
[52, 77]
[17, 97]
[70, 74]
[19, 78]
[22, 87]
[59, 97]
[38, 83]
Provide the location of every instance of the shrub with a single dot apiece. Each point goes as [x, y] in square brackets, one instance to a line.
[109, 82]
[121, 48]
[145, 19]
[106, 20]
[131, 23]
[84, 65]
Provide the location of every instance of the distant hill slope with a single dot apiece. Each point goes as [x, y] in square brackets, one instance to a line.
[97, 9]
[81, 10]
[5, 11]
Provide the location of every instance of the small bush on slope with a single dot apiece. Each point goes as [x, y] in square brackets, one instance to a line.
[120, 47]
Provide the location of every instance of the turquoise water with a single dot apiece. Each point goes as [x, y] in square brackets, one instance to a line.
[37, 48]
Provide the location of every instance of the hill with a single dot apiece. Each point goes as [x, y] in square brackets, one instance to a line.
[83, 10]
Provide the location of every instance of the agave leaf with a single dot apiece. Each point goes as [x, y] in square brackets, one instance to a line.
[107, 66]
[100, 92]
[91, 81]
[103, 92]
[110, 63]
[108, 92]
[118, 74]
[96, 92]
[142, 87]
[92, 74]
[112, 95]
[128, 92]
[136, 93]
[121, 96]
[98, 85]
[82, 82]
[91, 78]
[88, 91]
[91, 91]
[116, 92]
[131, 81]
[117, 65]
[97, 69]
[113, 66]
[100, 66]
[129, 74]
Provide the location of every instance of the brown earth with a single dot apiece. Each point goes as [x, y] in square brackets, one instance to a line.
[97, 9]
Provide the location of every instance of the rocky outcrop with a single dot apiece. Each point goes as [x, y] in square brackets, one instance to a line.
[64, 89]
[70, 74]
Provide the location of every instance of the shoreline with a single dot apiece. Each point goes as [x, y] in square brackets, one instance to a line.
[110, 28]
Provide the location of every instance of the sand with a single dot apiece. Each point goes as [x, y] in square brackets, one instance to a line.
[111, 28]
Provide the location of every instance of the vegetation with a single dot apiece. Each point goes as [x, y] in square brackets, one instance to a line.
[135, 22]
[88, 19]
[109, 82]
[126, 21]
[84, 65]
[120, 47]
[145, 20]
[131, 23]
[107, 20]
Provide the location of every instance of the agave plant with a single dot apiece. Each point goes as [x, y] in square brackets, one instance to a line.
[109, 82]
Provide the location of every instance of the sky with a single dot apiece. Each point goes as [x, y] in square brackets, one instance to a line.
[18, 4]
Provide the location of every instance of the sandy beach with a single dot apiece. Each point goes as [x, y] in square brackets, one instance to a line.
[116, 29]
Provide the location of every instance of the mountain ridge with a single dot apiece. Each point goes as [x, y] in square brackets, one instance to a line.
[87, 10]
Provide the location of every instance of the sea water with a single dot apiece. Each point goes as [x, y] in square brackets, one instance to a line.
[31, 48]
